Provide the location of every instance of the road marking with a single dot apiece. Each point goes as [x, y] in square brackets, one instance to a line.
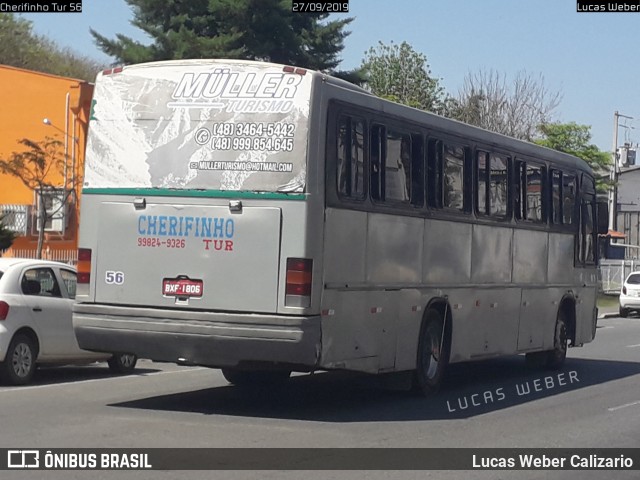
[633, 346]
[35, 387]
[613, 409]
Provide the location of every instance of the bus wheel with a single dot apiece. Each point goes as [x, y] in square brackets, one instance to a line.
[433, 354]
[122, 362]
[248, 378]
[556, 357]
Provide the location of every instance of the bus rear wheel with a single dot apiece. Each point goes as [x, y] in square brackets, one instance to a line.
[433, 354]
[553, 359]
[249, 378]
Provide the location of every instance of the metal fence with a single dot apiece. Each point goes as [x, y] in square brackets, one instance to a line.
[66, 256]
[613, 273]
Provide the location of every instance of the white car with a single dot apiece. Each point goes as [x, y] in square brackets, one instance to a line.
[630, 295]
[36, 297]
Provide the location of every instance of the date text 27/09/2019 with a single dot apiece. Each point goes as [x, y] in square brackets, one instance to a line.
[320, 6]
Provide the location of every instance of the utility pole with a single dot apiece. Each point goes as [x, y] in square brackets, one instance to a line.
[615, 170]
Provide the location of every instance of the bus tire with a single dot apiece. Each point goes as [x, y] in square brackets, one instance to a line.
[552, 359]
[122, 362]
[433, 354]
[249, 378]
[556, 357]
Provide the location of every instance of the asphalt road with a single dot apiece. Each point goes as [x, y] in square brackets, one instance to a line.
[593, 402]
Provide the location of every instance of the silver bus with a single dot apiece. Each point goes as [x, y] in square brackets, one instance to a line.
[264, 219]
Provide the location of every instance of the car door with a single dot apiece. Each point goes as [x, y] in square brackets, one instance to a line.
[50, 310]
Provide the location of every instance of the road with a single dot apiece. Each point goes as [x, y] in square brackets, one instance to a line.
[593, 402]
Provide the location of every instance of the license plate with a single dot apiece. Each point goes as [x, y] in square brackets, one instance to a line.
[182, 287]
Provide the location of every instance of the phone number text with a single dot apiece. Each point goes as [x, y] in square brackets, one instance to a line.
[157, 242]
[248, 143]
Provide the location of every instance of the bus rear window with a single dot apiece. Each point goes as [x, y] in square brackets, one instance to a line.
[199, 125]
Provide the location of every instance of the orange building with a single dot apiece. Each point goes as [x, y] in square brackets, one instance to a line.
[35, 106]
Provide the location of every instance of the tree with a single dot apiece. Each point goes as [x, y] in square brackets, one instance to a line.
[399, 73]
[575, 139]
[20, 47]
[242, 29]
[34, 166]
[488, 100]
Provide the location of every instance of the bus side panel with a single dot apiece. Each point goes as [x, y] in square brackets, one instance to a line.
[560, 254]
[585, 312]
[394, 249]
[410, 312]
[530, 257]
[538, 311]
[345, 247]
[447, 252]
[491, 255]
[352, 336]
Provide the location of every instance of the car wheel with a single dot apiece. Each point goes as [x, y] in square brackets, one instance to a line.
[248, 378]
[122, 362]
[20, 362]
[624, 312]
[433, 354]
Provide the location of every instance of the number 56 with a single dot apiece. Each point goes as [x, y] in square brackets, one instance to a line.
[114, 278]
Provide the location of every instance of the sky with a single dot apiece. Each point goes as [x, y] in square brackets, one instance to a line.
[592, 59]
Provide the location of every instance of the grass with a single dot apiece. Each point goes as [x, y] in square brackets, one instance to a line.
[609, 301]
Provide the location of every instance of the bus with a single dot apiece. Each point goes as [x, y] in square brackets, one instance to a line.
[267, 219]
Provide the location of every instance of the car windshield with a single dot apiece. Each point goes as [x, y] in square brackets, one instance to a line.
[634, 279]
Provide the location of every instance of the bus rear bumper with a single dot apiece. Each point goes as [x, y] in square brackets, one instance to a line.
[200, 338]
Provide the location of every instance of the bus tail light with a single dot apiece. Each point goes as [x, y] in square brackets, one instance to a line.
[84, 265]
[4, 310]
[298, 290]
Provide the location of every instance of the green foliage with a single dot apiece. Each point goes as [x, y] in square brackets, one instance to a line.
[575, 139]
[242, 29]
[399, 73]
[20, 47]
[6, 237]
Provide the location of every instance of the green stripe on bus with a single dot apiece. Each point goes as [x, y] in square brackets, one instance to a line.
[163, 192]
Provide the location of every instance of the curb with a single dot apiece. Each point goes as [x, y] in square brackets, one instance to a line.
[608, 315]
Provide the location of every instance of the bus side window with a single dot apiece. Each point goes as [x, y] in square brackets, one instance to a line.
[587, 235]
[535, 189]
[377, 156]
[568, 198]
[350, 158]
[519, 184]
[482, 186]
[529, 192]
[397, 165]
[434, 173]
[417, 170]
[498, 186]
[454, 174]
[556, 197]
